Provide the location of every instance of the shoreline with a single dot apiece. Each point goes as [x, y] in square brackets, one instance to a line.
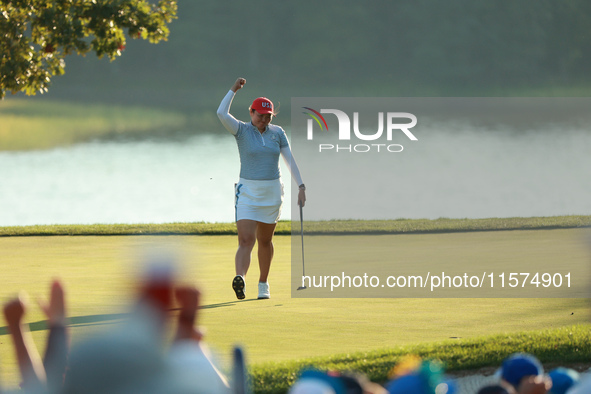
[332, 227]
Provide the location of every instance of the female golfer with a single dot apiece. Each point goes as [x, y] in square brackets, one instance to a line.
[259, 192]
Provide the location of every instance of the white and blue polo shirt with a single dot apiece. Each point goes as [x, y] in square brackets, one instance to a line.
[259, 152]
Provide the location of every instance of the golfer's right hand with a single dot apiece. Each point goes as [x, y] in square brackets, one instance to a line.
[238, 84]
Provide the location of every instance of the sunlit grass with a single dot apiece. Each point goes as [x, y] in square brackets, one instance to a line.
[400, 226]
[561, 346]
[36, 124]
[368, 335]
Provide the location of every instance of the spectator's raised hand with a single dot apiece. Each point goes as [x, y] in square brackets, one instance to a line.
[55, 309]
[14, 310]
[535, 385]
[188, 298]
[29, 361]
[57, 350]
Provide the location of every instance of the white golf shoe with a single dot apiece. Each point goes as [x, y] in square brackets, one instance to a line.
[264, 292]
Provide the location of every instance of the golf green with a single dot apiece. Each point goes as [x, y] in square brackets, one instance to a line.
[99, 273]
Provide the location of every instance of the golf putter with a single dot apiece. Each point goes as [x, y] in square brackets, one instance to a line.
[302, 232]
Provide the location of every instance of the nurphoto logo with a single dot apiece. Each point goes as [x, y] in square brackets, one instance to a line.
[393, 125]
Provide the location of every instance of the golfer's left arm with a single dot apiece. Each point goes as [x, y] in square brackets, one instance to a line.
[295, 173]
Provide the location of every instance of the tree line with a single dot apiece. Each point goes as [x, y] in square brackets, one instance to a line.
[415, 45]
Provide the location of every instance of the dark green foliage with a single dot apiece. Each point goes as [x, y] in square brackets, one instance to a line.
[37, 35]
[343, 48]
[348, 49]
[426, 42]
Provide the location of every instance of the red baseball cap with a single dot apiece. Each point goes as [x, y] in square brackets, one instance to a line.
[262, 105]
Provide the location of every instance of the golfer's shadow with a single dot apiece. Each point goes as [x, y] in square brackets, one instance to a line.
[75, 321]
[229, 303]
[110, 318]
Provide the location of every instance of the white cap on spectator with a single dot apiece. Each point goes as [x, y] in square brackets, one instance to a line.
[311, 386]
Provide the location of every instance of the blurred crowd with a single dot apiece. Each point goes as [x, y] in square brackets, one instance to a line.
[519, 373]
[138, 356]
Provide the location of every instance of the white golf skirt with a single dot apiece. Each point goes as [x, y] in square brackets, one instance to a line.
[258, 200]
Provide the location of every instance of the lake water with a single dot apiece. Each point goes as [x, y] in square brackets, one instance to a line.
[121, 182]
[459, 174]
[472, 157]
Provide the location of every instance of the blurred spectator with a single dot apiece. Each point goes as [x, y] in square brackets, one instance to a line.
[38, 375]
[357, 383]
[316, 382]
[188, 356]
[57, 348]
[534, 385]
[416, 376]
[518, 366]
[27, 356]
[583, 386]
[334, 382]
[494, 389]
[131, 358]
[562, 380]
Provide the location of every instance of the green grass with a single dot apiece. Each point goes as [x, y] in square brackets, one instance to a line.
[556, 347]
[401, 226]
[129, 229]
[98, 273]
[42, 124]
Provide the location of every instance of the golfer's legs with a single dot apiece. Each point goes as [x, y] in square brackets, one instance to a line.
[264, 236]
[246, 238]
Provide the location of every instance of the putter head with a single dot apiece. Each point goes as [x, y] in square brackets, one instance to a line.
[302, 287]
